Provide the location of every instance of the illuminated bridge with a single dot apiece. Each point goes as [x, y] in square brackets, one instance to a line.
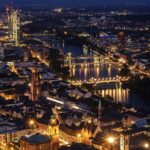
[100, 81]
[85, 61]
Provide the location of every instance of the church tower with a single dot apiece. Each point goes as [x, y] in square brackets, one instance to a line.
[35, 85]
[124, 142]
[53, 131]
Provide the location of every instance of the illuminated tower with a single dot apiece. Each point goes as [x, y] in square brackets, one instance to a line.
[13, 25]
[53, 131]
[35, 85]
[8, 10]
[124, 142]
[121, 41]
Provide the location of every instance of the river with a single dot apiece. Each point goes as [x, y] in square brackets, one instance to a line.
[119, 94]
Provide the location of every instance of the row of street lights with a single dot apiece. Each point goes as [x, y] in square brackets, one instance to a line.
[100, 80]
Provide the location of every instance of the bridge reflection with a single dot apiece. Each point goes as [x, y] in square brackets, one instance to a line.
[103, 71]
[105, 74]
[119, 95]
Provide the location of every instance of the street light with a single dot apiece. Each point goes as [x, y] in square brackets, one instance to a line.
[111, 140]
[146, 145]
[89, 121]
[31, 122]
[79, 137]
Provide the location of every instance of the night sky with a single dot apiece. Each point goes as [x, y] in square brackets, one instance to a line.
[68, 3]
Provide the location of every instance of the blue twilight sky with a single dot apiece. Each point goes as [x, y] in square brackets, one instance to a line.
[56, 3]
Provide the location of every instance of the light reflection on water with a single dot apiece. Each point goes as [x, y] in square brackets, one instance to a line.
[119, 95]
[94, 71]
[98, 72]
[124, 96]
[102, 71]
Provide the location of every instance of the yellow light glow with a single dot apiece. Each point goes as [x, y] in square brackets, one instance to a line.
[111, 140]
[89, 121]
[31, 122]
[146, 145]
[79, 135]
[65, 32]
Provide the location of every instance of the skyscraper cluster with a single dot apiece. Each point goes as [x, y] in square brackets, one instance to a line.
[13, 25]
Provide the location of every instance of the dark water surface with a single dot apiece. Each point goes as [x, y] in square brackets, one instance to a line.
[119, 94]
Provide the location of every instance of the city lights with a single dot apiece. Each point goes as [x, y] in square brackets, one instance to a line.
[111, 139]
[146, 145]
[31, 122]
[73, 77]
[79, 135]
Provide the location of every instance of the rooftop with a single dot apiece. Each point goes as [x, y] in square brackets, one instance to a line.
[36, 138]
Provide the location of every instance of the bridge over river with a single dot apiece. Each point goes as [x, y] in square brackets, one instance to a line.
[85, 61]
[100, 81]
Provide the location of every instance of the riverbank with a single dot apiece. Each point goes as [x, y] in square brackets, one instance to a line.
[128, 96]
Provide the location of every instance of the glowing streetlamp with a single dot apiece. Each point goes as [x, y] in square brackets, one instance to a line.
[79, 137]
[12, 148]
[89, 121]
[111, 141]
[146, 146]
[31, 122]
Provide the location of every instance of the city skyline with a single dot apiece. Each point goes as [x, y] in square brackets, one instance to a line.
[74, 75]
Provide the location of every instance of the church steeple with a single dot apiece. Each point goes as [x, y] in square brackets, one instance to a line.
[53, 131]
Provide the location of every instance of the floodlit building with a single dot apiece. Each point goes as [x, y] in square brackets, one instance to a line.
[14, 25]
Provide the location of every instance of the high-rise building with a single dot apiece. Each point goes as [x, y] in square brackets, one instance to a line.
[35, 85]
[121, 41]
[13, 25]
